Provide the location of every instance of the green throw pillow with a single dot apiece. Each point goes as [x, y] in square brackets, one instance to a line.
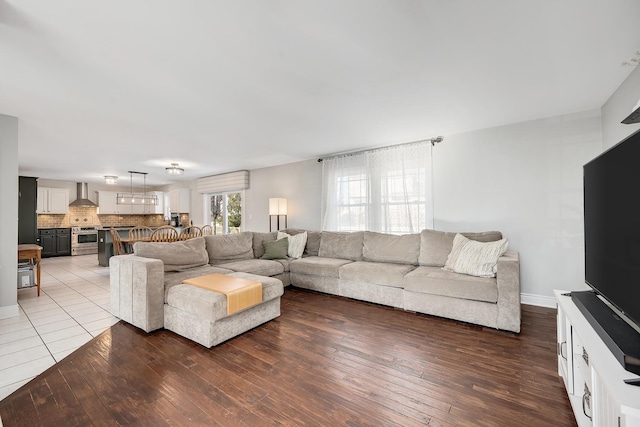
[275, 249]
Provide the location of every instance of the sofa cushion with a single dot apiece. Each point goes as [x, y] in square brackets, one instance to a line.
[261, 267]
[313, 243]
[175, 256]
[377, 273]
[258, 238]
[313, 240]
[435, 246]
[210, 305]
[382, 247]
[229, 247]
[341, 245]
[285, 263]
[475, 258]
[297, 243]
[318, 266]
[436, 281]
[276, 249]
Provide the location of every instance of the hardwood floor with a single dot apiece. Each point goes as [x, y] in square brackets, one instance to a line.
[325, 361]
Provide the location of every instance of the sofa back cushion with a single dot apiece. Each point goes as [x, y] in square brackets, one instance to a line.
[229, 247]
[313, 240]
[297, 243]
[435, 246]
[382, 247]
[341, 245]
[475, 258]
[176, 256]
[258, 238]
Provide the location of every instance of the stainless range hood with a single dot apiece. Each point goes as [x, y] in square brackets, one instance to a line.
[83, 196]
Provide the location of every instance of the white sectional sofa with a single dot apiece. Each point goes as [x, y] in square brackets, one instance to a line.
[399, 271]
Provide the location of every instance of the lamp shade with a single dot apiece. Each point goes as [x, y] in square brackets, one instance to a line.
[277, 206]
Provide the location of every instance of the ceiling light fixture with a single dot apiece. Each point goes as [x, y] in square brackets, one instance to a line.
[633, 62]
[174, 169]
[132, 198]
[110, 179]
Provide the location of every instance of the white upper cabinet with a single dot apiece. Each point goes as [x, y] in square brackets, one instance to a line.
[52, 200]
[108, 203]
[156, 209]
[179, 200]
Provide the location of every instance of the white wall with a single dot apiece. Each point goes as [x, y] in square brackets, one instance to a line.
[300, 183]
[617, 108]
[8, 216]
[525, 180]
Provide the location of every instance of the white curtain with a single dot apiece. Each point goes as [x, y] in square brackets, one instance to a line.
[387, 190]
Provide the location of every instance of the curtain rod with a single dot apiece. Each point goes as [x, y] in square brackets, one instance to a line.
[433, 142]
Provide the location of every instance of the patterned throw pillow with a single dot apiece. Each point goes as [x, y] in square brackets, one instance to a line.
[296, 243]
[475, 258]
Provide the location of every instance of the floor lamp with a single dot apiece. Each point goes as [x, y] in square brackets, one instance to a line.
[277, 208]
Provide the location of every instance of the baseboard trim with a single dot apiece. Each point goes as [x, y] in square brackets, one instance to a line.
[539, 300]
[9, 311]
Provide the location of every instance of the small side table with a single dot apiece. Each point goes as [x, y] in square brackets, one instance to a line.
[31, 252]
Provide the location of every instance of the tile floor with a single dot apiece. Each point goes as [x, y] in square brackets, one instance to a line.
[73, 307]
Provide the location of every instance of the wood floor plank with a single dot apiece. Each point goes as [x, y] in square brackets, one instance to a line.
[326, 360]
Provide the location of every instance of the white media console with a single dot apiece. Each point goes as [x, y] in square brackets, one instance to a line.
[593, 377]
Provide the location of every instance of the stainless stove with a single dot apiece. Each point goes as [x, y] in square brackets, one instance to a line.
[84, 240]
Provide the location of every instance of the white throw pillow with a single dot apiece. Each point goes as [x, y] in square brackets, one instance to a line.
[296, 243]
[475, 258]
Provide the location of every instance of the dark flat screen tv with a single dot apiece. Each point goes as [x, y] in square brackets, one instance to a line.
[612, 235]
[612, 225]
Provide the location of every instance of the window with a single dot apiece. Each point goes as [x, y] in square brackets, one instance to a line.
[224, 212]
[386, 190]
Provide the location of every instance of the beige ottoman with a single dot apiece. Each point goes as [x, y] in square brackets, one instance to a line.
[201, 315]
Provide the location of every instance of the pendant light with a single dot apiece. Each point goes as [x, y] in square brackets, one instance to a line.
[132, 198]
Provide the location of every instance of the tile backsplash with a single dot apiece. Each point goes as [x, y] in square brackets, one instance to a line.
[86, 216]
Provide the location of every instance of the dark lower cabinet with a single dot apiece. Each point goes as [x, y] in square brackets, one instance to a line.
[47, 239]
[63, 241]
[55, 241]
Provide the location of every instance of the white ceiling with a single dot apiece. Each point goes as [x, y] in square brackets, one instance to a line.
[105, 87]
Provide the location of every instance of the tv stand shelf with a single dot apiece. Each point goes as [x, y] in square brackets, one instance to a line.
[594, 379]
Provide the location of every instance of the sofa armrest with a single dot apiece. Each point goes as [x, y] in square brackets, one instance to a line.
[137, 291]
[508, 278]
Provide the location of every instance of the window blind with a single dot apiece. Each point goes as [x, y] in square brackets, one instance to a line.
[224, 182]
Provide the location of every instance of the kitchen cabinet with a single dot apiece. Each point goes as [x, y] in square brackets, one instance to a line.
[27, 206]
[48, 242]
[63, 241]
[179, 200]
[108, 203]
[52, 200]
[55, 241]
[156, 209]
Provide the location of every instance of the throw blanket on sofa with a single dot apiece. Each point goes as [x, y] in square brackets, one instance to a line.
[241, 293]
